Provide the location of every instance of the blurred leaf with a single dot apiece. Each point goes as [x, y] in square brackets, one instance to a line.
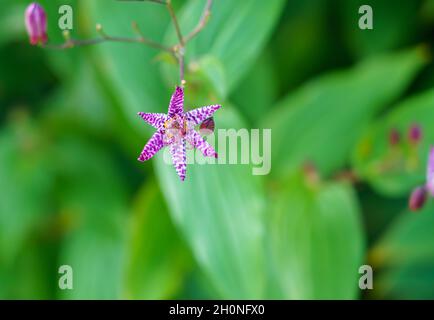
[219, 210]
[235, 35]
[93, 195]
[256, 94]
[306, 42]
[25, 184]
[63, 62]
[396, 171]
[321, 121]
[316, 240]
[11, 11]
[157, 258]
[404, 257]
[212, 71]
[389, 31]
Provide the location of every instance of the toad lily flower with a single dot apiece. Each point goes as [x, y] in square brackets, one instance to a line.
[419, 195]
[175, 129]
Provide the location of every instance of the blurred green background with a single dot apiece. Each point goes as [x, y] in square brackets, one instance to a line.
[73, 193]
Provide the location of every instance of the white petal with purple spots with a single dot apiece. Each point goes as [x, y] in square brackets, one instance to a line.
[179, 157]
[156, 120]
[176, 105]
[196, 140]
[201, 114]
[152, 147]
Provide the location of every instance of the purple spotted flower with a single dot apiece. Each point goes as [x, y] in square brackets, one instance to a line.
[176, 129]
[415, 133]
[35, 19]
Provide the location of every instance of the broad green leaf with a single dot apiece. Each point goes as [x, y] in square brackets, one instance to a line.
[25, 185]
[219, 209]
[395, 171]
[257, 93]
[93, 196]
[305, 43]
[11, 11]
[316, 240]
[235, 34]
[321, 121]
[157, 260]
[389, 32]
[404, 257]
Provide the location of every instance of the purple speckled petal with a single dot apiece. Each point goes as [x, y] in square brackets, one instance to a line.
[156, 120]
[196, 140]
[200, 114]
[179, 157]
[152, 147]
[430, 172]
[176, 105]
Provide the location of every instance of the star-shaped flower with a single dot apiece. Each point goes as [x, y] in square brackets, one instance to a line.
[175, 129]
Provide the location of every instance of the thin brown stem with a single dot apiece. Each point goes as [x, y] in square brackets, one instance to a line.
[202, 22]
[149, 42]
[71, 43]
[154, 1]
[175, 23]
[181, 60]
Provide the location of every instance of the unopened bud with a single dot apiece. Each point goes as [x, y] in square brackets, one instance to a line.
[36, 24]
[415, 134]
[394, 137]
[417, 198]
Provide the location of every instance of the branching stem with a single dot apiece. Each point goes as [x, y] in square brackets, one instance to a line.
[178, 50]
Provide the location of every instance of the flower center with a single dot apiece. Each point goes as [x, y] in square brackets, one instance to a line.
[175, 128]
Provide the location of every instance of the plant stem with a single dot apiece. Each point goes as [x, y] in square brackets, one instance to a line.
[175, 23]
[202, 22]
[71, 43]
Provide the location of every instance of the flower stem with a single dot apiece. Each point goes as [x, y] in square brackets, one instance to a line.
[71, 43]
[202, 22]
[175, 23]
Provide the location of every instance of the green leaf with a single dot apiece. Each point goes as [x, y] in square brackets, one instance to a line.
[305, 43]
[316, 240]
[25, 185]
[404, 257]
[257, 93]
[235, 34]
[321, 121]
[389, 32]
[219, 210]
[93, 197]
[395, 171]
[157, 260]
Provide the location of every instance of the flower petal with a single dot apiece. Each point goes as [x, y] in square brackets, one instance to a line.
[196, 140]
[200, 114]
[179, 157]
[156, 120]
[430, 172]
[176, 105]
[152, 147]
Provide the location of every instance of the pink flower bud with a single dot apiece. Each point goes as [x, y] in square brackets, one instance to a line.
[417, 198]
[415, 133]
[394, 137]
[36, 23]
